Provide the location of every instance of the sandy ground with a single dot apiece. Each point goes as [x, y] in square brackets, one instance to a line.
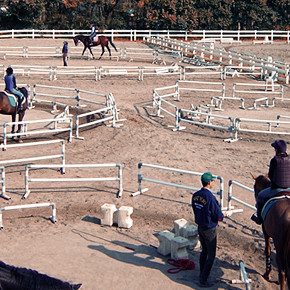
[77, 248]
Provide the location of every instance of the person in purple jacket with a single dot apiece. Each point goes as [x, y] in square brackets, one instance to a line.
[207, 214]
[279, 174]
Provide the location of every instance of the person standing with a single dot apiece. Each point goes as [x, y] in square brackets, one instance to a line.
[11, 87]
[279, 174]
[65, 53]
[207, 214]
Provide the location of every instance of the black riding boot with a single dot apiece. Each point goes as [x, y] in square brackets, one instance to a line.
[19, 108]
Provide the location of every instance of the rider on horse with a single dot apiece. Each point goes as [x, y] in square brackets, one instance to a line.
[11, 87]
[279, 174]
[93, 33]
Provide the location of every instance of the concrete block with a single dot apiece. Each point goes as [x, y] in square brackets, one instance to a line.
[178, 225]
[164, 239]
[191, 233]
[124, 217]
[179, 248]
[108, 211]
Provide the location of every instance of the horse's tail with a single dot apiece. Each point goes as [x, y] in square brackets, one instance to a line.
[110, 40]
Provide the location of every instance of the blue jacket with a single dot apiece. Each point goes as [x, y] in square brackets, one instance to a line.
[10, 83]
[65, 48]
[206, 209]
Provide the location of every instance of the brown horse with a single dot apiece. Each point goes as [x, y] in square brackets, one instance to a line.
[102, 40]
[8, 108]
[276, 226]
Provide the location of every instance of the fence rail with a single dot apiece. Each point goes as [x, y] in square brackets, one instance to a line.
[208, 54]
[141, 178]
[13, 207]
[267, 36]
[77, 179]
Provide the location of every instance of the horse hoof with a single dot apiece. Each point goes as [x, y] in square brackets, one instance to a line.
[19, 141]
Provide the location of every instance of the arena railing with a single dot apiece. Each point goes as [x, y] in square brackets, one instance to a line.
[141, 179]
[209, 54]
[77, 168]
[267, 36]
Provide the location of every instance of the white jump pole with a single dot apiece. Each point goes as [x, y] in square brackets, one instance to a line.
[52, 218]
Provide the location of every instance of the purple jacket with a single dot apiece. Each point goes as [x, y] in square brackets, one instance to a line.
[279, 171]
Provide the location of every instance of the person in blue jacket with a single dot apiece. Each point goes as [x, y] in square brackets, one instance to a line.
[11, 87]
[65, 53]
[207, 214]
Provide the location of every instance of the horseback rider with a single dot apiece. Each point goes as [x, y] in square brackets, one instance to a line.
[93, 33]
[279, 174]
[11, 87]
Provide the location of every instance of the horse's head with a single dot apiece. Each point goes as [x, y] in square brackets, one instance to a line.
[261, 182]
[76, 40]
[24, 91]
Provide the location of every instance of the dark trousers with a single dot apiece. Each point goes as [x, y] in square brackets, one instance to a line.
[208, 240]
[64, 57]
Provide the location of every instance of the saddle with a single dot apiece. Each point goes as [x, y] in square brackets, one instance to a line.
[96, 38]
[271, 201]
[12, 99]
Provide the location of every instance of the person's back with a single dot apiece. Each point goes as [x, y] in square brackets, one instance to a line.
[9, 83]
[207, 214]
[279, 174]
[11, 87]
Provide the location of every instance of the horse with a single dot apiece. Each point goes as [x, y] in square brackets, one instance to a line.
[276, 226]
[10, 108]
[102, 40]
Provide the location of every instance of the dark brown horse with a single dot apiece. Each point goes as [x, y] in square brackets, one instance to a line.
[276, 226]
[8, 108]
[102, 40]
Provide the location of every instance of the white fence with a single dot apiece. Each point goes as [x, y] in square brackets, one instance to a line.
[51, 124]
[25, 206]
[231, 196]
[97, 73]
[28, 159]
[245, 89]
[105, 105]
[2, 181]
[202, 116]
[204, 53]
[77, 179]
[141, 179]
[267, 36]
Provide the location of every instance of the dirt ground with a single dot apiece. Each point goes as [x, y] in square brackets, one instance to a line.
[77, 248]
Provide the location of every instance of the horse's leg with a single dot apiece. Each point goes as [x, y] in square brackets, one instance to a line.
[281, 266]
[91, 52]
[13, 126]
[85, 48]
[20, 118]
[103, 50]
[268, 255]
[109, 50]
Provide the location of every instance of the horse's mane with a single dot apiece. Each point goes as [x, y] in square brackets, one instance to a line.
[26, 279]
